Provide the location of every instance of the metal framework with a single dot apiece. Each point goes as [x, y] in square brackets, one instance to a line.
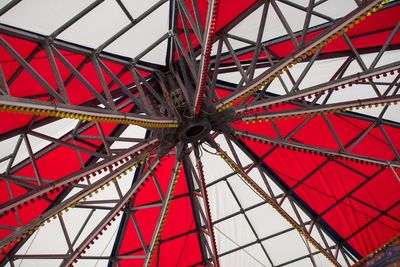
[184, 106]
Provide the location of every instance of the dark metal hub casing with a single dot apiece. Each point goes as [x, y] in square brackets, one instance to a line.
[193, 131]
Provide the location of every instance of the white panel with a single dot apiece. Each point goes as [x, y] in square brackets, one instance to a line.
[74, 220]
[387, 57]
[221, 201]
[91, 263]
[103, 246]
[138, 7]
[98, 215]
[7, 148]
[242, 29]
[109, 193]
[214, 167]
[392, 113]
[273, 26]
[229, 236]
[126, 181]
[57, 128]
[341, 260]
[267, 221]
[142, 35]
[249, 256]
[359, 91]
[289, 209]
[98, 26]
[336, 8]
[321, 71]
[247, 197]
[285, 247]
[40, 240]
[295, 17]
[157, 55]
[232, 77]
[43, 16]
[215, 49]
[305, 263]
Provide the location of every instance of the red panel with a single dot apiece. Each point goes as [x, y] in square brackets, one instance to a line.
[375, 145]
[227, 12]
[11, 121]
[8, 64]
[330, 184]
[349, 216]
[381, 191]
[316, 133]
[184, 251]
[266, 130]
[179, 219]
[130, 241]
[387, 229]
[181, 247]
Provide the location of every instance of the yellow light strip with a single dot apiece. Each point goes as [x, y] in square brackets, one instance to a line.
[77, 116]
[319, 110]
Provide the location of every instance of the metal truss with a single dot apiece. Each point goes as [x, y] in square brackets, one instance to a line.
[201, 209]
[312, 228]
[169, 101]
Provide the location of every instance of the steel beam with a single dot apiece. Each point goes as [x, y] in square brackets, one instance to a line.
[78, 111]
[318, 109]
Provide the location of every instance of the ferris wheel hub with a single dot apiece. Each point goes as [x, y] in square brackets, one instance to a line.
[194, 131]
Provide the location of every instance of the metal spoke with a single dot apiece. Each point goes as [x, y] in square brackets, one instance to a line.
[21, 105]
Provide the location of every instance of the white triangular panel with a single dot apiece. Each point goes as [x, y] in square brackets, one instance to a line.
[143, 34]
[98, 26]
[43, 16]
[336, 8]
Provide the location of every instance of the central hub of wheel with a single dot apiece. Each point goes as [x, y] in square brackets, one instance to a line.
[194, 131]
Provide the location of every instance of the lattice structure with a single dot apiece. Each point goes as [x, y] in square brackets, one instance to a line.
[199, 133]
